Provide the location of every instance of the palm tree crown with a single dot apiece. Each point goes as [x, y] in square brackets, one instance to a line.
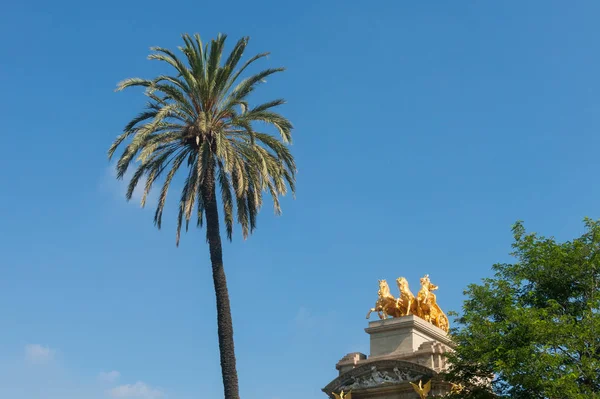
[200, 116]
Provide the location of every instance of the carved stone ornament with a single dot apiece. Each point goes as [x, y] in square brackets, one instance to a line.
[379, 373]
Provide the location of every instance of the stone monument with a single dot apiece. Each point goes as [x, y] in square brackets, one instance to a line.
[407, 348]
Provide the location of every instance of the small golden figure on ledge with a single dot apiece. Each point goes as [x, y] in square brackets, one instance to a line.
[341, 395]
[424, 305]
[456, 388]
[423, 391]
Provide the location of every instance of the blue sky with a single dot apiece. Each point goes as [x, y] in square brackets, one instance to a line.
[423, 131]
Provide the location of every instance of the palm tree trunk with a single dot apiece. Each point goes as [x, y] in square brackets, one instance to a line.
[224, 321]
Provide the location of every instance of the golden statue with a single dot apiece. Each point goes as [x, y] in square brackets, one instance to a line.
[423, 391]
[424, 305]
[406, 301]
[427, 303]
[457, 388]
[386, 304]
[341, 395]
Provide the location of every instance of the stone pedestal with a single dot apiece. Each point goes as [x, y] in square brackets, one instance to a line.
[405, 349]
[409, 338]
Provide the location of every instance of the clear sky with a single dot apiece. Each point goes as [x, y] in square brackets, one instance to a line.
[423, 131]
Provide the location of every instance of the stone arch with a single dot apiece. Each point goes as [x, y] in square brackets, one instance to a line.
[379, 373]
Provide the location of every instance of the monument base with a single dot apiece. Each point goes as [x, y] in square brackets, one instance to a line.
[404, 349]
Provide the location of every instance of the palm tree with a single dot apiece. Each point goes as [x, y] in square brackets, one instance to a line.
[199, 118]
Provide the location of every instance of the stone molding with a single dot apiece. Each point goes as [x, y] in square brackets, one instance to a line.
[350, 361]
[377, 373]
[430, 354]
[412, 323]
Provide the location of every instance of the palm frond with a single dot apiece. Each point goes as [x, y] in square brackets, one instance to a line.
[242, 90]
[165, 188]
[201, 114]
[227, 199]
[128, 131]
[239, 72]
[131, 82]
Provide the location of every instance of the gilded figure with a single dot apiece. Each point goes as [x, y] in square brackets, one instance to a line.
[342, 395]
[386, 304]
[406, 301]
[422, 390]
[424, 305]
[428, 307]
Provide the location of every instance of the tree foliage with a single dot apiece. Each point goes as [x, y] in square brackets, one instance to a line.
[199, 119]
[533, 330]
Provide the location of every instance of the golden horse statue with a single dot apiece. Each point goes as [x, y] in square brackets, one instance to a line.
[406, 301]
[424, 305]
[386, 304]
[428, 307]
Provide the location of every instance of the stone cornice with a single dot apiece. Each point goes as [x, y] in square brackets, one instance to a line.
[410, 322]
[395, 371]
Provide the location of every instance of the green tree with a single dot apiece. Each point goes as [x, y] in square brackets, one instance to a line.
[533, 330]
[198, 119]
